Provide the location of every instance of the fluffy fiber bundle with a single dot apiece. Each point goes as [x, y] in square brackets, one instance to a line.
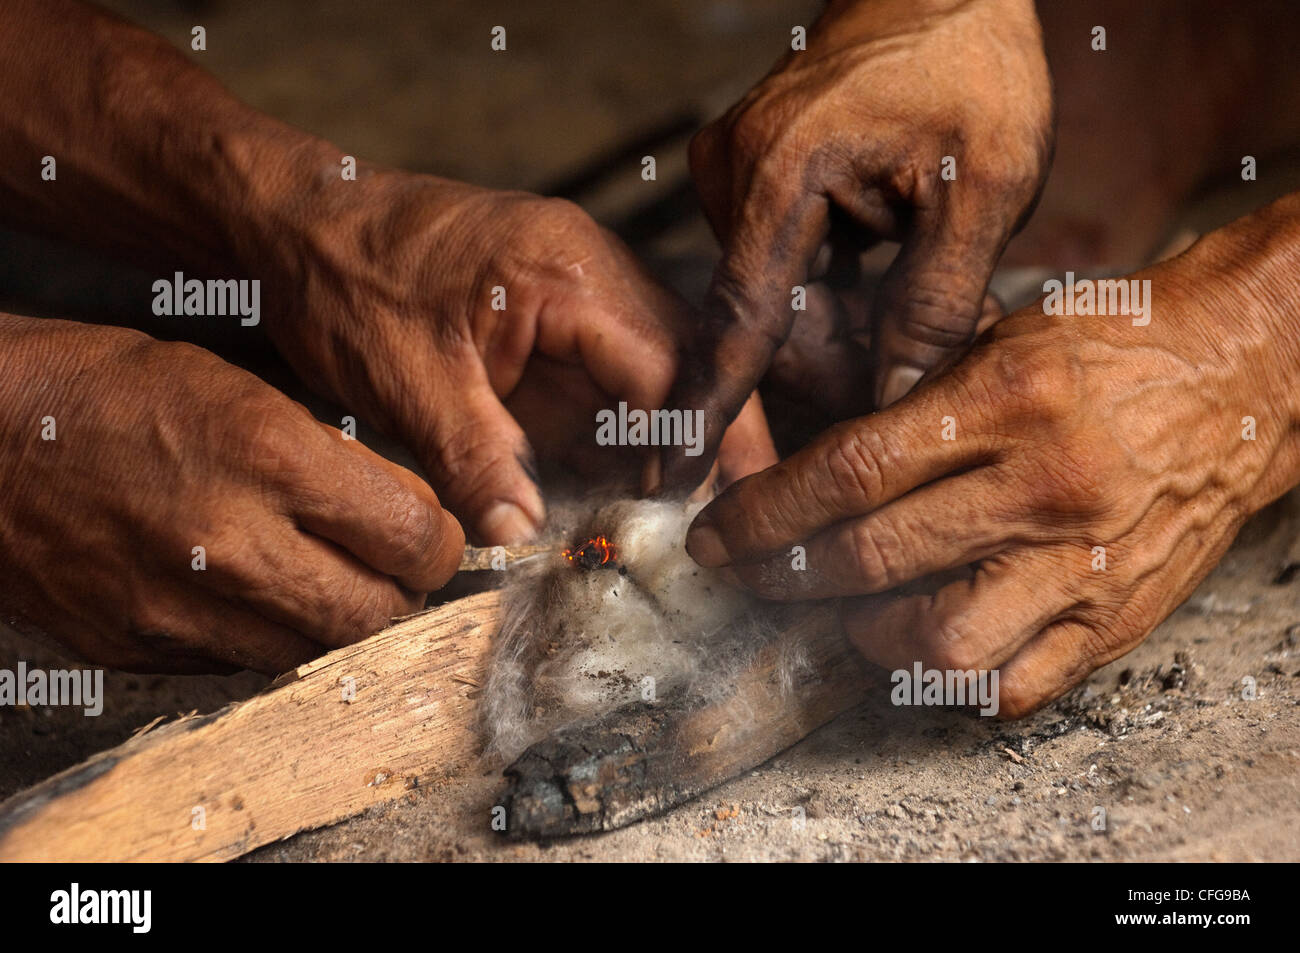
[576, 642]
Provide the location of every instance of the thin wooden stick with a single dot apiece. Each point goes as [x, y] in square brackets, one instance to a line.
[478, 558]
[359, 726]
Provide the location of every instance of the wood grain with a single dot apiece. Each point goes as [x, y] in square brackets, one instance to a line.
[367, 723]
[298, 756]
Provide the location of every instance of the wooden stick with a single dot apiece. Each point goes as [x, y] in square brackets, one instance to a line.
[478, 558]
[366, 723]
[357, 727]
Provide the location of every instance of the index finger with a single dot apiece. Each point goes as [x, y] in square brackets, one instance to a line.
[846, 472]
[382, 513]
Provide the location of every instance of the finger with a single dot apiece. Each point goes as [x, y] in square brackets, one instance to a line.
[748, 314]
[823, 361]
[625, 338]
[848, 471]
[944, 525]
[304, 582]
[973, 623]
[932, 298]
[713, 176]
[382, 513]
[1057, 659]
[990, 314]
[479, 459]
[195, 631]
[747, 446]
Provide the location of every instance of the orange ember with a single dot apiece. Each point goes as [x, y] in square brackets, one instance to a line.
[595, 552]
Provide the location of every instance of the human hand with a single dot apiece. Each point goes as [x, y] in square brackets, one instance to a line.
[1042, 506]
[122, 454]
[481, 327]
[844, 144]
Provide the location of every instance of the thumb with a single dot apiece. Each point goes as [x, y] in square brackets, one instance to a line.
[480, 462]
[929, 305]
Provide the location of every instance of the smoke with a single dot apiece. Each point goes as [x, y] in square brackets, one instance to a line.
[577, 642]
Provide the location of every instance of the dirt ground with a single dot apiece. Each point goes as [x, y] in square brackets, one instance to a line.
[1184, 767]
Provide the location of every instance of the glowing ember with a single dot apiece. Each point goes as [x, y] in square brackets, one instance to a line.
[594, 553]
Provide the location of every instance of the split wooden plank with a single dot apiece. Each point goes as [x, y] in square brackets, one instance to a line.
[354, 728]
[365, 724]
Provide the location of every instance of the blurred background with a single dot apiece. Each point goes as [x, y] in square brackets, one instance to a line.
[584, 89]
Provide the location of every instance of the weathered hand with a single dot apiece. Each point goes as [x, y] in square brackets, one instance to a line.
[1079, 476]
[121, 455]
[843, 145]
[480, 327]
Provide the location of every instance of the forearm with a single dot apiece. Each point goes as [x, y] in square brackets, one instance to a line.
[153, 158]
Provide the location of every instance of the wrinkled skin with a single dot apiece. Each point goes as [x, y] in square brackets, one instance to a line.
[311, 541]
[392, 315]
[378, 291]
[840, 147]
[1071, 433]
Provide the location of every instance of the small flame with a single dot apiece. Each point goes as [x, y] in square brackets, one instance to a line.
[595, 552]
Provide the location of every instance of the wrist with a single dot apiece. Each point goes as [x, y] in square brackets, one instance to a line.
[1245, 303]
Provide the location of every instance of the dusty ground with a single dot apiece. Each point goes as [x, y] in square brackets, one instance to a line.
[1163, 740]
[1184, 767]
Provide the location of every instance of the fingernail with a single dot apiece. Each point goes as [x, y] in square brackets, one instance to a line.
[898, 382]
[506, 523]
[705, 546]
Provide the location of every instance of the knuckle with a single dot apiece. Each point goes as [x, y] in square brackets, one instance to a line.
[365, 610]
[876, 553]
[949, 646]
[144, 619]
[1016, 700]
[855, 466]
[702, 153]
[1100, 637]
[230, 550]
[939, 313]
[1061, 484]
[466, 453]
[258, 438]
[416, 530]
[1014, 179]
[759, 322]
[567, 223]
[1013, 164]
[1037, 384]
[1029, 379]
[750, 132]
